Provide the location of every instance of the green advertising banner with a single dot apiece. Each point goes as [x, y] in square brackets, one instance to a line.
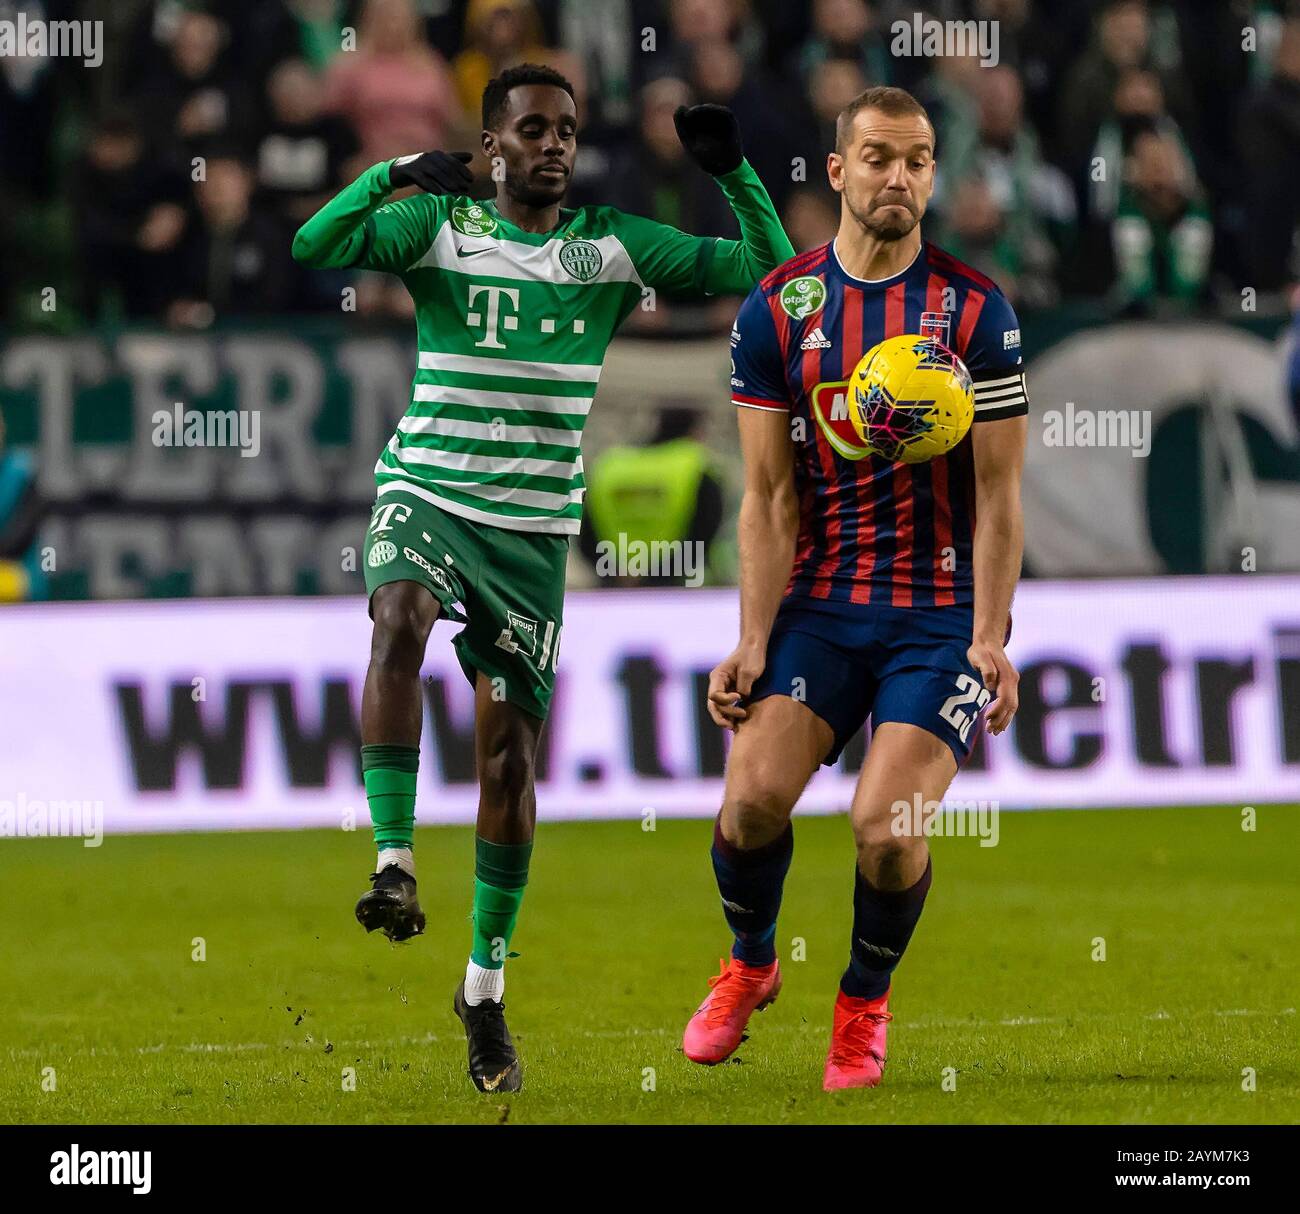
[239, 462]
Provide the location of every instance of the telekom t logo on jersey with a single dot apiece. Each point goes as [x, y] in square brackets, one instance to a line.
[384, 515]
[509, 323]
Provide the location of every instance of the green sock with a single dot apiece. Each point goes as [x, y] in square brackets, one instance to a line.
[389, 776]
[500, 874]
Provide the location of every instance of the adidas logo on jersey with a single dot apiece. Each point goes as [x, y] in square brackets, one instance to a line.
[816, 340]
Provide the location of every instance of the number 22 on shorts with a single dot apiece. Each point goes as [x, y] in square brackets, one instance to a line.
[969, 691]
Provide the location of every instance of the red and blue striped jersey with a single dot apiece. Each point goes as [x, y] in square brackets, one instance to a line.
[872, 530]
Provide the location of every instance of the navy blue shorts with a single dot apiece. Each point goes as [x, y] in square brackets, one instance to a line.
[850, 661]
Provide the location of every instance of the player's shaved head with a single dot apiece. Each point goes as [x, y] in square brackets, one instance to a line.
[893, 102]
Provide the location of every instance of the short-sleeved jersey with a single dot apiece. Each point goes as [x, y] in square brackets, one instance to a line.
[873, 530]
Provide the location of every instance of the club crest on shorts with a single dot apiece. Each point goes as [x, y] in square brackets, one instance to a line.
[936, 325]
[381, 553]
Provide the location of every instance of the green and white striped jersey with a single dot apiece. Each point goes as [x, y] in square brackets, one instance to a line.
[513, 328]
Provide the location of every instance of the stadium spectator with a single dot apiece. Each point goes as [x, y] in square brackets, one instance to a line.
[1090, 96]
[832, 86]
[394, 89]
[845, 29]
[302, 156]
[263, 33]
[236, 259]
[948, 92]
[655, 177]
[498, 34]
[196, 96]
[1076, 86]
[693, 22]
[131, 215]
[609, 50]
[1138, 105]
[316, 30]
[811, 217]
[1004, 209]
[1162, 236]
[1038, 42]
[1270, 146]
[718, 74]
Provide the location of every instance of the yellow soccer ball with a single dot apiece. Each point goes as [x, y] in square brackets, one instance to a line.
[910, 399]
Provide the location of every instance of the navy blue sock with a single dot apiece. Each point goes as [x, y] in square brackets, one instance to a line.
[750, 884]
[883, 923]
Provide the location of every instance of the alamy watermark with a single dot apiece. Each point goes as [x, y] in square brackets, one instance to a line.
[182, 427]
[628, 558]
[1073, 427]
[35, 38]
[919, 818]
[78, 1165]
[927, 37]
[38, 819]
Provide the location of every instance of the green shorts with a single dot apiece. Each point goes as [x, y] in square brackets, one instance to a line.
[506, 587]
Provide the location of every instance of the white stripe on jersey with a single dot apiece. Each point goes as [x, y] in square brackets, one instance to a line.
[490, 398]
[546, 523]
[467, 462]
[497, 257]
[470, 364]
[490, 431]
[745, 404]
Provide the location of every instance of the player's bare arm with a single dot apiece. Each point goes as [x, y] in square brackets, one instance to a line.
[769, 525]
[999, 451]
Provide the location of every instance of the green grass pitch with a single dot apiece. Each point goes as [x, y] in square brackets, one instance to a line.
[999, 991]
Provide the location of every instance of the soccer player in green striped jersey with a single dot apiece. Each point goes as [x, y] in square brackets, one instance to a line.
[516, 300]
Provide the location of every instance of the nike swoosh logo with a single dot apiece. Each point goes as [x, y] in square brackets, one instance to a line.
[470, 252]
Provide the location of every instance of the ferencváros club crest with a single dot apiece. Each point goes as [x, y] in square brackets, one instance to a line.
[801, 297]
[472, 221]
[581, 259]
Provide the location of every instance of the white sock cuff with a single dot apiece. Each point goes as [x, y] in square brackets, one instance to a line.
[482, 983]
[401, 856]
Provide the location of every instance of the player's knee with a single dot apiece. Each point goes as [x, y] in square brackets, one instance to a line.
[402, 622]
[756, 813]
[881, 848]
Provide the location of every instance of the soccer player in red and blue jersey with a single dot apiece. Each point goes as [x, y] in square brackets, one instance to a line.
[868, 588]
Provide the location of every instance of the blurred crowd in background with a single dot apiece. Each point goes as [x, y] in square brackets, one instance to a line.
[1124, 151]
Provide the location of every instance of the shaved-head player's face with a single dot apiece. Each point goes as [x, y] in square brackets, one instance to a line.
[884, 171]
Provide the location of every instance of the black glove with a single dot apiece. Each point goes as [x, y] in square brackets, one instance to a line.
[433, 172]
[711, 134]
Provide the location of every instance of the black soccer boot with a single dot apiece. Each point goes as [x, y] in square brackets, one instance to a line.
[493, 1060]
[390, 905]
